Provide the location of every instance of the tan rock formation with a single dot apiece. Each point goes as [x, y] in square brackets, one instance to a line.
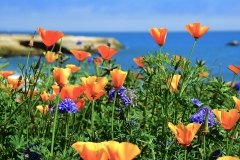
[17, 44]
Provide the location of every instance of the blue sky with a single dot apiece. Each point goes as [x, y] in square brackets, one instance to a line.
[117, 15]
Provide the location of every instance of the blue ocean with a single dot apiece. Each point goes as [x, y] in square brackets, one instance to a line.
[211, 48]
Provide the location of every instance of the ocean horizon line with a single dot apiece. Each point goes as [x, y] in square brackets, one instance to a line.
[169, 31]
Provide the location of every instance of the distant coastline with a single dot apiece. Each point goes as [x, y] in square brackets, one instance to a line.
[16, 44]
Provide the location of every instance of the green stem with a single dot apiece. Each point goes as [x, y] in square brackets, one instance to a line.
[160, 49]
[55, 123]
[232, 80]
[25, 79]
[234, 134]
[204, 146]
[92, 118]
[185, 154]
[66, 133]
[29, 51]
[113, 109]
[227, 148]
[190, 55]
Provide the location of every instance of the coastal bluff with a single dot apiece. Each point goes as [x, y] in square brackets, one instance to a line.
[18, 44]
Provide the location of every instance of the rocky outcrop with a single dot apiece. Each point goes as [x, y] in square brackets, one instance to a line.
[233, 43]
[18, 44]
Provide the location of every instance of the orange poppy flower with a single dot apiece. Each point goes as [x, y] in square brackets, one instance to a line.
[50, 56]
[91, 150]
[174, 83]
[138, 61]
[6, 74]
[80, 103]
[94, 86]
[73, 67]
[7, 86]
[118, 77]
[71, 91]
[61, 75]
[45, 97]
[195, 30]
[18, 99]
[184, 134]
[237, 102]
[203, 74]
[121, 151]
[227, 119]
[97, 61]
[159, 35]
[49, 37]
[179, 59]
[35, 92]
[56, 89]
[137, 75]
[106, 52]
[42, 109]
[15, 82]
[234, 69]
[228, 158]
[80, 55]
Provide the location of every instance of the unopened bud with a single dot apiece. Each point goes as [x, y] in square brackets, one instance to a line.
[32, 40]
[205, 126]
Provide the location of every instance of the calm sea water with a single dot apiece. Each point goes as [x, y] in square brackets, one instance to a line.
[211, 47]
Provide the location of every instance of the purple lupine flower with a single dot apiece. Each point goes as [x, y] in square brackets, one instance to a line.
[89, 59]
[131, 123]
[67, 105]
[31, 155]
[50, 106]
[216, 154]
[78, 43]
[237, 86]
[199, 117]
[196, 102]
[122, 93]
[99, 54]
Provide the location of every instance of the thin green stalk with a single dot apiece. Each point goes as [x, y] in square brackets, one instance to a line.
[92, 118]
[232, 80]
[25, 79]
[204, 146]
[234, 134]
[185, 154]
[175, 115]
[190, 55]
[227, 147]
[29, 51]
[113, 109]
[45, 124]
[66, 133]
[160, 49]
[55, 123]
[145, 108]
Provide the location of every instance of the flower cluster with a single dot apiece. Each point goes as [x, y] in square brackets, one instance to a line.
[31, 155]
[196, 102]
[199, 117]
[67, 105]
[237, 86]
[126, 95]
[131, 123]
[106, 150]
